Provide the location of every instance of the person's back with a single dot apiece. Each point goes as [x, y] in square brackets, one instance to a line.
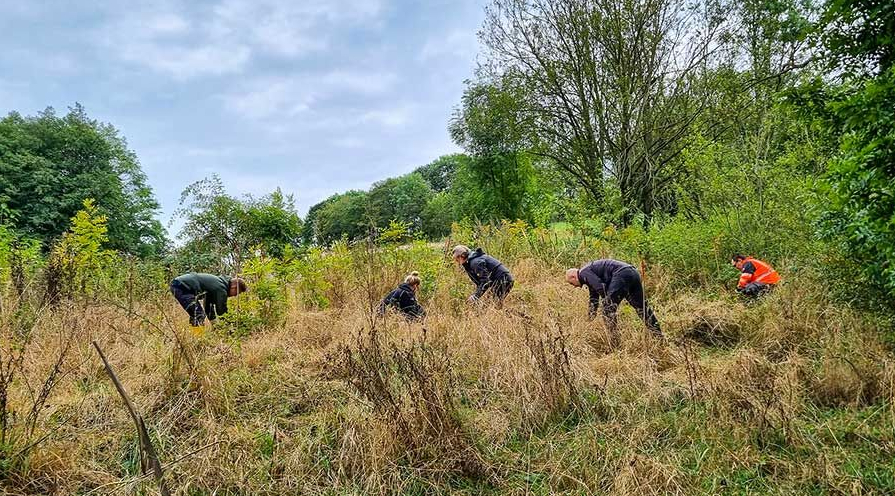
[485, 271]
[600, 272]
[756, 276]
[403, 298]
[188, 289]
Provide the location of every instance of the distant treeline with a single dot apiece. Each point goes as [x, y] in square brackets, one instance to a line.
[775, 119]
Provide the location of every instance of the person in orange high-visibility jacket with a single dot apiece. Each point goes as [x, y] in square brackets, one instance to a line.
[756, 278]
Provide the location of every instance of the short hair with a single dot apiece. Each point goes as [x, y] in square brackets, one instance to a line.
[241, 286]
[461, 251]
[738, 256]
[413, 279]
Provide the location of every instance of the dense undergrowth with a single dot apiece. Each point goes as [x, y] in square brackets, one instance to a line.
[301, 389]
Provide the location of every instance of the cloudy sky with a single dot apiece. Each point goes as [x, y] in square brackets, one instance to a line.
[313, 96]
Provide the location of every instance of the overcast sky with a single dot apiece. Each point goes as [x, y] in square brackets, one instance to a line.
[313, 96]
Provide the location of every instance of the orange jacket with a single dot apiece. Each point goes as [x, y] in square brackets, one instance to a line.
[754, 270]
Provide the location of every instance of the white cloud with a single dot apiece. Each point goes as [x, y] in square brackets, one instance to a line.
[270, 98]
[186, 43]
[392, 117]
[284, 98]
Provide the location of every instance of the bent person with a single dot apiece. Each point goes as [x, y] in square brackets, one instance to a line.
[403, 298]
[756, 277]
[205, 295]
[612, 281]
[486, 272]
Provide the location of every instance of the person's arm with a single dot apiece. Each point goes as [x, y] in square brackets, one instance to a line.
[483, 276]
[747, 275]
[215, 304]
[383, 305]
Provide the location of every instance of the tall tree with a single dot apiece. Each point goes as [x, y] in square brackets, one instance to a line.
[49, 165]
[499, 181]
[440, 173]
[610, 88]
[399, 199]
[345, 215]
[220, 230]
[857, 108]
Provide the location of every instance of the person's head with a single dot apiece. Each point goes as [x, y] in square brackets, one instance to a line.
[460, 254]
[737, 260]
[237, 286]
[413, 280]
[572, 278]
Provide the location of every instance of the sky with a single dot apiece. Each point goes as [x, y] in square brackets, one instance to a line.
[312, 96]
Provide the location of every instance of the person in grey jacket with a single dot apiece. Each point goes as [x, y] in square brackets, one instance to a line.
[485, 271]
[612, 281]
[195, 288]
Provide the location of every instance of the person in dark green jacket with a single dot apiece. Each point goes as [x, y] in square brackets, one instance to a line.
[213, 290]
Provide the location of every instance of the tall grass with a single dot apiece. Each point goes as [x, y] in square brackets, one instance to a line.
[793, 394]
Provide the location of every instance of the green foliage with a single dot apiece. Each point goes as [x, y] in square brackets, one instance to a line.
[440, 173]
[396, 233]
[343, 215]
[438, 215]
[224, 229]
[857, 35]
[79, 258]
[401, 199]
[857, 113]
[264, 307]
[860, 183]
[50, 164]
[20, 261]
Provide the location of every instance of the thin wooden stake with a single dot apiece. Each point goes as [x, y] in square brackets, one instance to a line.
[147, 451]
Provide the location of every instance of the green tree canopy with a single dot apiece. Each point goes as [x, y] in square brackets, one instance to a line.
[50, 164]
[342, 215]
[400, 199]
[223, 229]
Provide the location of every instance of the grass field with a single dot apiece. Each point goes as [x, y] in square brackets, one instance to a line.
[792, 395]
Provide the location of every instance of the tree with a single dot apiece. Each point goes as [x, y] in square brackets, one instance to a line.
[499, 181]
[857, 109]
[438, 215]
[226, 229]
[49, 165]
[400, 199]
[343, 215]
[608, 88]
[440, 173]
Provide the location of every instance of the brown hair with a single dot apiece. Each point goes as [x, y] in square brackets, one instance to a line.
[240, 283]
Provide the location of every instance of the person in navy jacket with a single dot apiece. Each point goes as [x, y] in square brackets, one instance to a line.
[611, 281]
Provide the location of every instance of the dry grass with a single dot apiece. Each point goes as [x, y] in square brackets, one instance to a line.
[791, 395]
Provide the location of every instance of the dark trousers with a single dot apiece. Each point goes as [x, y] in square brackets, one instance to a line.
[501, 288]
[756, 289]
[189, 302]
[626, 285]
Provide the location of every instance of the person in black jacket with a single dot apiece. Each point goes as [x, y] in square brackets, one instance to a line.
[486, 272]
[403, 298]
[613, 281]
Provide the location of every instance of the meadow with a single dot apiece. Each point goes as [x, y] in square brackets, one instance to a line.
[302, 389]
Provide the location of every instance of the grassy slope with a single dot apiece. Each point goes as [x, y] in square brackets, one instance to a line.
[793, 395]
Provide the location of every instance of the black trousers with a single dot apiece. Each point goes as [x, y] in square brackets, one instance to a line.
[756, 289]
[189, 302]
[626, 285]
[501, 288]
